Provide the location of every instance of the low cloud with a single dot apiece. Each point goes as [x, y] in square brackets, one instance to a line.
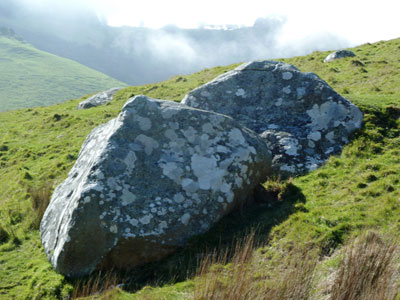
[138, 55]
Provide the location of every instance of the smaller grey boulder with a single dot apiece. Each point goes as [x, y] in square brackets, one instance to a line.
[339, 54]
[300, 117]
[99, 99]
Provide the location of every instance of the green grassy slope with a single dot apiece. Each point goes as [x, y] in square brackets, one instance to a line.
[352, 192]
[30, 77]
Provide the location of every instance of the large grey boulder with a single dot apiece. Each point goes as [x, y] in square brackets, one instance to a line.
[339, 54]
[300, 117]
[147, 181]
[98, 99]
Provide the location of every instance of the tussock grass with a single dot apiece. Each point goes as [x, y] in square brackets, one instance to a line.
[40, 198]
[243, 278]
[4, 235]
[369, 270]
[101, 284]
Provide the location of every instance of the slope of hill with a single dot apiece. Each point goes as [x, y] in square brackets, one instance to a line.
[315, 216]
[30, 77]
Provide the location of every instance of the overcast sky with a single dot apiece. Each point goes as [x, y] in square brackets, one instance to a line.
[357, 21]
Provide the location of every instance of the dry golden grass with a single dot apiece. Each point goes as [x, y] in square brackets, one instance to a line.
[40, 198]
[241, 279]
[368, 270]
[101, 286]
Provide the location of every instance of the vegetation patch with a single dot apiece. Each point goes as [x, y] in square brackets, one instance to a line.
[321, 213]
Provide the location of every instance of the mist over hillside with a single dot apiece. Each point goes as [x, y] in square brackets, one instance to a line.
[138, 55]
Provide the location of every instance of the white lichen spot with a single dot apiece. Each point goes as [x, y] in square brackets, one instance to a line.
[162, 225]
[113, 228]
[225, 187]
[314, 135]
[100, 175]
[290, 145]
[300, 92]
[311, 144]
[287, 90]
[205, 93]
[337, 123]
[127, 197]
[145, 219]
[287, 75]
[207, 172]
[273, 126]
[172, 171]
[230, 196]
[190, 134]
[238, 181]
[241, 93]
[222, 149]
[330, 136]
[329, 150]
[86, 199]
[322, 115]
[148, 143]
[287, 168]
[178, 198]
[279, 102]
[170, 134]
[312, 167]
[130, 160]
[236, 136]
[207, 128]
[170, 112]
[144, 123]
[189, 186]
[228, 92]
[185, 219]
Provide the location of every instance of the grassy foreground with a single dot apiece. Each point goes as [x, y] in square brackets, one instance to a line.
[303, 236]
[30, 77]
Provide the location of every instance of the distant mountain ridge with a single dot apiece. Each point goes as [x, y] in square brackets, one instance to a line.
[30, 77]
[140, 55]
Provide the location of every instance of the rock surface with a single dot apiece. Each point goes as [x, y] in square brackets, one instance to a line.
[147, 181]
[339, 54]
[301, 118]
[98, 99]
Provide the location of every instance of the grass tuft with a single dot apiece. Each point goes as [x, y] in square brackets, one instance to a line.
[104, 284]
[368, 270]
[40, 198]
[4, 235]
[241, 279]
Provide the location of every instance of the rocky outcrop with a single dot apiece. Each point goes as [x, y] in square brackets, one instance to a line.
[301, 118]
[339, 54]
[98, 99]
[147, 181]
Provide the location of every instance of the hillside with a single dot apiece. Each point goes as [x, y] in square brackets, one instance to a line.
[307, 226]
[30, 77]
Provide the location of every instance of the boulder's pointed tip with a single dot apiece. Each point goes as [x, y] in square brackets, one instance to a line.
[136, 101]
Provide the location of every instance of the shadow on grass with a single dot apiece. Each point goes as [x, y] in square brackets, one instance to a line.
[270, 206]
